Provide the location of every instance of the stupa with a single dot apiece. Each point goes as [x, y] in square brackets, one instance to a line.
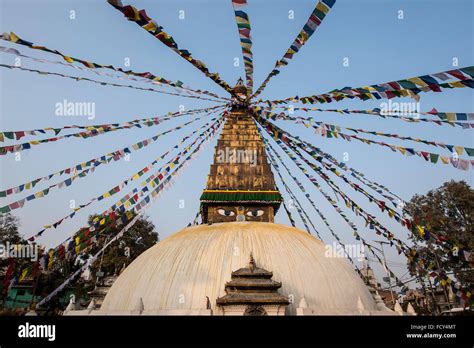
[205, 269]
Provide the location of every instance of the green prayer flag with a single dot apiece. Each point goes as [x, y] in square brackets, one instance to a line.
[434, 157]
[469, 150]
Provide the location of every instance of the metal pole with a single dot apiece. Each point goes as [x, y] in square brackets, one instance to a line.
[100, 263]
[433, 295]
[388, 273]
[443, 286]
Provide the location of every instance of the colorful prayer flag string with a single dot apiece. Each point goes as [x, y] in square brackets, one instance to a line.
[141, 18]
[317, 16]
[301, 212]
[148, 122]
[147, 76]
[369, 219]
[95, 131]
[323, 218]
[129, 199]
[116, 237]
[410, 87]
[449, 118]
[119, 215]
[243, 25]
[407, 222]
[104, 159]
[68, 182]
[102, 83]
[329, 130]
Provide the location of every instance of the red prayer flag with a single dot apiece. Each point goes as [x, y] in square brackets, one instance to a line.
[239, 3]
[457, 74]
[433, 111]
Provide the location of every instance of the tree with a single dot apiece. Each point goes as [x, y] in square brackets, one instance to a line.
[447, 211]
[9, 235]
[122, 252]
[9, 229]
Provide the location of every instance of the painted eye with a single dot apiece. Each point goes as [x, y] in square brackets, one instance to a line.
[225, 212]
[255, 213]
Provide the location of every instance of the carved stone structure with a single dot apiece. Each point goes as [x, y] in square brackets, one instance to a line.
[251, 291]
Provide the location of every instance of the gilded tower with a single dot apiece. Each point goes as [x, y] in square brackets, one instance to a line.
[240, 185]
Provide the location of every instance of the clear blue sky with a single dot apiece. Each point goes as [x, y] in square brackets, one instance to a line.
[380, 48]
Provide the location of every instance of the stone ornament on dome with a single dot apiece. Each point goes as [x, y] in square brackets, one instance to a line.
[252, 264]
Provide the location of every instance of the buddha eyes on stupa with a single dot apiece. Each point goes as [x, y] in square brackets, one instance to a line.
[255, 213]
[225, 212]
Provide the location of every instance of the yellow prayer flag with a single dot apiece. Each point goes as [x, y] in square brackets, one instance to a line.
[304, 36]
[23, 274]
[136, 13]
[68, 59]
[401, 149]
[459, 149]
[13, 37]
[457, 84]
[444, 159]
[150, 26]
[323, 8]
[451, 116]
[421, 230]
[418, 81]
[405, 93]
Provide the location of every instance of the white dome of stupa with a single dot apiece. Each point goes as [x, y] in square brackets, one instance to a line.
[177, 275]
